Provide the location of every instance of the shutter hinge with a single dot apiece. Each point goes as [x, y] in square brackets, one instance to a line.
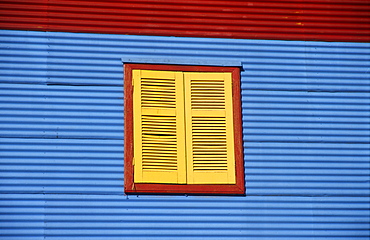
[133, 161]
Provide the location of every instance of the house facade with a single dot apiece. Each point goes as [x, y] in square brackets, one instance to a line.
[304, 107]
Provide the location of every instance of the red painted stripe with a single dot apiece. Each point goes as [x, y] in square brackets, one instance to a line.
[328, 20]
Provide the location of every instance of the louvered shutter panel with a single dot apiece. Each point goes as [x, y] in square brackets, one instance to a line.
[209, 128]
[159, 149]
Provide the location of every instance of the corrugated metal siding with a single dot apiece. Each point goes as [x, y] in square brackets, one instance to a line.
[306, 132]
[51, 216]
[329, 20]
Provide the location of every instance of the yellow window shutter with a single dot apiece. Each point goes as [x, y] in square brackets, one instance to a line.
[159, 149]
[209, 128]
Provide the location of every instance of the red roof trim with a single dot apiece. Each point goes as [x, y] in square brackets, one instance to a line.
[326, 20]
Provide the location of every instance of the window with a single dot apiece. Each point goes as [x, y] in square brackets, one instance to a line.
[183, 130]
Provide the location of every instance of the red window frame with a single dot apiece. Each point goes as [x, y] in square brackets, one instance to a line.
[150, 188]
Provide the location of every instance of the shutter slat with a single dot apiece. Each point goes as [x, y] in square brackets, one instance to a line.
[209, 123]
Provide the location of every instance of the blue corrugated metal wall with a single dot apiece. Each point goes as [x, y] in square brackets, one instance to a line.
[306, 133]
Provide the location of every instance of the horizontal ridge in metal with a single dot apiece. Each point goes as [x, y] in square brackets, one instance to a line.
[330, 20]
